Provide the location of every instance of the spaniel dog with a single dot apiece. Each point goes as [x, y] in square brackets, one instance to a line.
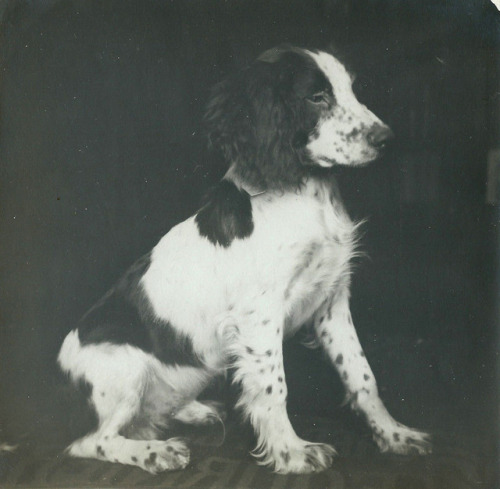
[269, 252]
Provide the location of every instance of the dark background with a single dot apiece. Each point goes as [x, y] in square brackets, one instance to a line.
[102, 151]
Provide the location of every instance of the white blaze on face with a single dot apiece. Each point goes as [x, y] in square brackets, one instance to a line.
[341, 134]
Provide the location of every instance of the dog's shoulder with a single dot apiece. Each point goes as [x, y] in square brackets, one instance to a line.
[226, 214]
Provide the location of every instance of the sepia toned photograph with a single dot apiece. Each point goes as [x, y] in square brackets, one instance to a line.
[249, 244]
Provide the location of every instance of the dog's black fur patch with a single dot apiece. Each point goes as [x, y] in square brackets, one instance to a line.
[261, 118]
[125, 316]
[226, 215]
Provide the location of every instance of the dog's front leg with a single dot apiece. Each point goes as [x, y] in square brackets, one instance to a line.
[258, 360]
[335, 330]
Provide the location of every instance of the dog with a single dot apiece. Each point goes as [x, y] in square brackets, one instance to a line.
[269, 251]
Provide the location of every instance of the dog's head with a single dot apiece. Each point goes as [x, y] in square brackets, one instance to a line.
[292, 110]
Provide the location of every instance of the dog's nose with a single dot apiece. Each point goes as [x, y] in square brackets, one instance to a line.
[379, 135]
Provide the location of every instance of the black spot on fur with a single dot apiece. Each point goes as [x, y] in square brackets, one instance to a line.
[125, 316]
[280, 379]
[269, 389]
[249, 350]
[134, 459]
[362, 353]
[151, 459]
[340, 359]
[285, 456]
[170, 449]
[266, 321]
[226, 215]
[103, 394]
[353, 134]
[366, 377]
[100, 451]
[269, 353]
[396, 436]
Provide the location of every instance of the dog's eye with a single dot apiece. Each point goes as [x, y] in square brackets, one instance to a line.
[318, 98]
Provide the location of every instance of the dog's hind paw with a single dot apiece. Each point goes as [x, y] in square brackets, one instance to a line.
[172, 454]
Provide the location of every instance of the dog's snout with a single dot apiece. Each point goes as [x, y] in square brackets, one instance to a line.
[379, 135]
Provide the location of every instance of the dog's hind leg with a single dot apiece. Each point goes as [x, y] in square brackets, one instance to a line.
[108, 444]
[122, 379]
[336, 333]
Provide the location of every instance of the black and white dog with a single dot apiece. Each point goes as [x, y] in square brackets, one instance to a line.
[268, 253]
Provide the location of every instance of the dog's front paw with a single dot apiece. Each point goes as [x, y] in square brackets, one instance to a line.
[302, 458]
[403, 440]
[312, 457]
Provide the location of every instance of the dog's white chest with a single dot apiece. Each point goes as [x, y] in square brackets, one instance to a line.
[310, 242]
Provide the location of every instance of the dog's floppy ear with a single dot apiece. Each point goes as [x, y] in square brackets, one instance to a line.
[254, 119]
[228, 118]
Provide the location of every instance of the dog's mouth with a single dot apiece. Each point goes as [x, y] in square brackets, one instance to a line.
[326, 162]
[367, 157]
